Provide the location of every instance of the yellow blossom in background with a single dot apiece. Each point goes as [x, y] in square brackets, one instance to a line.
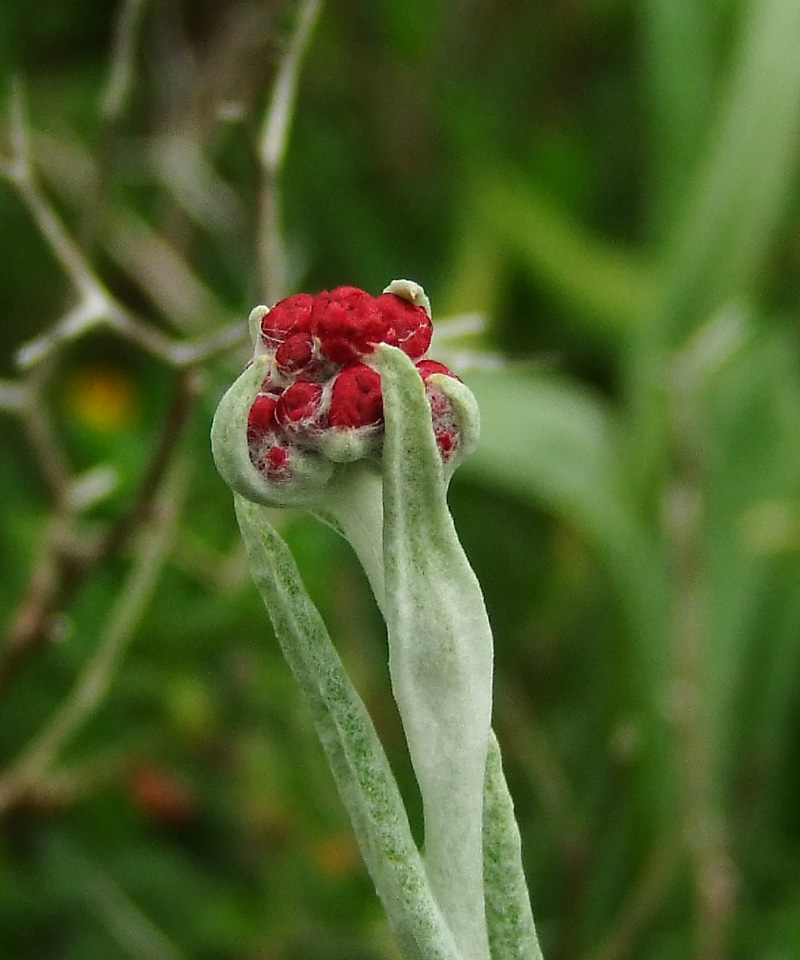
[102, 397]
[338, 855]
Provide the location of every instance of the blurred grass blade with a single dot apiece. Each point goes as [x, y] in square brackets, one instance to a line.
[354, 752]
[738, 196]
[137, 936]
[554, 445]
[752, 542]
[603, 284]
[679, 71]
[512, 935]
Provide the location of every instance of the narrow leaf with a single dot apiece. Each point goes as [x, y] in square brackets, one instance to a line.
[512, 935]
[738, 197]
[440, 653]
[354, 752]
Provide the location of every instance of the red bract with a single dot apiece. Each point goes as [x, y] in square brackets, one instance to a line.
[445, 427]
[356, 400]
[347, 323]
[261, 420]
[428, 367]
[298, 402]
[277, 458]
[292, 315]
[295, 353]
[271, 455]
[445, 423]
[407, 325]
[447, 442]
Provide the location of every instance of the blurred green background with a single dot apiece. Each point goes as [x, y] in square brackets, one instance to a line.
[614, 186]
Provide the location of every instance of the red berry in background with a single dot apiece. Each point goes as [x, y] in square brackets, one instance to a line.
[261, 420]
[287, 317]
[158, 794]
[347, 323]
[356, 400]
[298, 402]
[407, 326]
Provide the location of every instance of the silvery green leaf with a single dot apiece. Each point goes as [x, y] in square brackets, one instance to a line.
[440, 652]
[512, 935]
[354, 752]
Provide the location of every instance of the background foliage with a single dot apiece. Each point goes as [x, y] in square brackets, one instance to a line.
[614, 185]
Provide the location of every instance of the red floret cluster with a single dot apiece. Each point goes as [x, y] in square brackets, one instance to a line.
[321, 394]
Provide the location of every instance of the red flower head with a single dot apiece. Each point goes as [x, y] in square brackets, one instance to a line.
[319, 401]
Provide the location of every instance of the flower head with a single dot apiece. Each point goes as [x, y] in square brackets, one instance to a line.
[311, 401]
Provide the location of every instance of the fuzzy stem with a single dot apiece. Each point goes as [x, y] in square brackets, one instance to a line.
[354, 508]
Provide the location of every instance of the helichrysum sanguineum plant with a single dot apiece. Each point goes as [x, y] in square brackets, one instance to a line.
[341, 412]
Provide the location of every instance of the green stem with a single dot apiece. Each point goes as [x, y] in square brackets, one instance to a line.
[354, 508]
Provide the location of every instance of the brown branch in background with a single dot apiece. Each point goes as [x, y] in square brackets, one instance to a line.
[153, 544]
[40, 435]
[61, 570]
[30, 625]
[20, 172]
[187, 391]
[67, 556]
[272, 152]
[114, 99]
[62, 567]
[706, 834]
[97, 307]
[161, 272]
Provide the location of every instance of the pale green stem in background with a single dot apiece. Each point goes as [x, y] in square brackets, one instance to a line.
[119, 85]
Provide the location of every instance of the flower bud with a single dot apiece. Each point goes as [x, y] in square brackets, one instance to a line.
[263, 465]
[290, 316]
[407, 326]
[310, 402]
